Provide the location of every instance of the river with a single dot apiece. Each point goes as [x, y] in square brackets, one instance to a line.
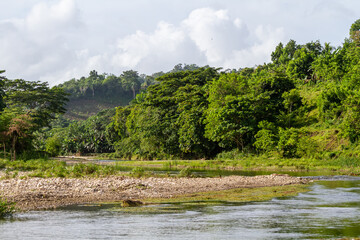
[331, 209]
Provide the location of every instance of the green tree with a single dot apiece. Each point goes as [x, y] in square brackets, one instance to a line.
[131, 81]
[331, 102]
[292, 104]
[288, 142]
[19, 127]
[233, 124]
[282, 55]
[5, 119]
[351, 122]
[167, 120]
[329, 65]
[267, 88]
[355, 32]
[53, 144]
[300, 66]
[120, 118]
[36, 100]
[229, 117]
[266, 137]
[2, 93]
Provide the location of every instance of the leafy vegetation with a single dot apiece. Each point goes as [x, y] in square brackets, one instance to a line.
[232, 196]
[29, 107]
[302, 108]
[97, 92]
[6, 208]
[284, 109]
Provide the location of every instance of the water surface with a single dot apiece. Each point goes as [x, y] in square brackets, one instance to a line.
[330, 210]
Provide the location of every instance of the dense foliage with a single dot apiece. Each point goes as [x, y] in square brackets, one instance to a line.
[96, 92]
[282, 108]
[303, 104]
[6, 208]
[28, 107]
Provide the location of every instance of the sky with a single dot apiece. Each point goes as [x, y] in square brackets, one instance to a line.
[57, 40]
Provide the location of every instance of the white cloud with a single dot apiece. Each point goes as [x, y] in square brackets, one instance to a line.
[51, 43]
[161, 45]
[206, 36]
[39, 44]
[52, 18]
[267, 39]
[215, 34]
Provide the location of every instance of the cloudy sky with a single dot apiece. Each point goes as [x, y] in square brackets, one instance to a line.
[56, 40]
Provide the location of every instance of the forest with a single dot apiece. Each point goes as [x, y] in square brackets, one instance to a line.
[304, 104]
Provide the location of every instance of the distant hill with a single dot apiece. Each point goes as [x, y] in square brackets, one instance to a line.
[81, 109]
[89, 95]
[92, 94]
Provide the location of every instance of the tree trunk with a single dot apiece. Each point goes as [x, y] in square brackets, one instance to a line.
[14, 149]
[133, 89]
[4, 150]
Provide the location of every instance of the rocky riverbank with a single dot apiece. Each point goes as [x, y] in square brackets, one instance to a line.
[47, 193]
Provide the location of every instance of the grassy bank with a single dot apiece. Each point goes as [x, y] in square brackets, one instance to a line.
[181, 168]
[53, 168]
[234, 195]
[6, 208]
[202, 199]
[350, 166]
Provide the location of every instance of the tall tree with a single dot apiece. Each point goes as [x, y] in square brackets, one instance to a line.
[19, 128]
[355, 32]
[36, 100]
[131, 81]
[2, 78]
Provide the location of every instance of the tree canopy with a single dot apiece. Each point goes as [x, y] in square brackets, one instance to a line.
[301, 104]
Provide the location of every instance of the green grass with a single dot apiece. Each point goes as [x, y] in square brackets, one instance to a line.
[46, 168]
[6, 208]
[181, 203]
[343, 163]
[233, 196]
[346, 161]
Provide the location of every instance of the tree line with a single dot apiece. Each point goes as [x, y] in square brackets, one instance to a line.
[193, 112]
[26, 107]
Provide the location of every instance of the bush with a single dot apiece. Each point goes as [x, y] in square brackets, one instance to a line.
[295, 143]
[2, 164]
[6, 208]
[80, 169]
[288, 142]
[137, 172]
[231, 155]
[53, 145]
[265, 137]
[185, 172]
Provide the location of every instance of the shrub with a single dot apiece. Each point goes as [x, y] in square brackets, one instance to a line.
[288, 142]
[80, 169]
[265, 137]
[6, 208]
[185, 172]
[137, 172]
[295, 143]
[2, 164]
[53, 145]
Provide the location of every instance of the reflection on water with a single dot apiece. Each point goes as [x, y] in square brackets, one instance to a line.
[330, 210]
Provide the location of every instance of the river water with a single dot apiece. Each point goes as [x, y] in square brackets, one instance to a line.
[331, 209]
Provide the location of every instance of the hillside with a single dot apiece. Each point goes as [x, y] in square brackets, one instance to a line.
[302, 109]
[89, 95]
[96, 92]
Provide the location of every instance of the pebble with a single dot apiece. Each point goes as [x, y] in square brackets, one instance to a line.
[59, 191]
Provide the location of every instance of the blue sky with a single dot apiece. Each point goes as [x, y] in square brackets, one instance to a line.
[56, 40]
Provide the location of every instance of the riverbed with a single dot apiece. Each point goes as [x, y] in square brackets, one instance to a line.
[44, 193]
[331, 209]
